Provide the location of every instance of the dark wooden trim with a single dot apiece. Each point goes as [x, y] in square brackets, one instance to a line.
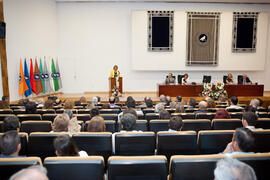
[3, 55]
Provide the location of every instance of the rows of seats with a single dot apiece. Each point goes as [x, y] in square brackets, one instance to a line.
[153, 125]
[180, 167]
[145, 143]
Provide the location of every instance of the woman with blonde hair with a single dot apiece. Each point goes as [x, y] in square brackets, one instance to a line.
[96, 124]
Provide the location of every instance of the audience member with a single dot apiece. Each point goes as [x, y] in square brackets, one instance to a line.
[255, 103]
[5, 98]
[149, 103]
[250, 109]
[112, 102]
[95, 101]
[260, 101]
[131, 111]
[242, 142]
[233, 101]
[179, 98]
[94, 112]
[69, 104]
[162, 98]
[83, 100]
[179, 108]
[222, 114]
[131, 103]
[249, 120]
[31, 173]
[164, 114]
[233, 169]
[60, 123]
[4, 105]
[222, 98]
[175, 123]
[202, 107]
[73, 125]
[172, 105]
[10, 144]
[48, 104]
[96, 124]
[117, 100]
[210, 102]
[168, 101]
[11, 123]
[159, 107]
[31, 108]
[65, 146]
[191, 103]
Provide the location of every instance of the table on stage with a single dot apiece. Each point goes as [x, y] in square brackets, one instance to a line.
[195, 90]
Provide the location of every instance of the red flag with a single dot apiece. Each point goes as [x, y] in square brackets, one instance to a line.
[37, 77]
[32, 80]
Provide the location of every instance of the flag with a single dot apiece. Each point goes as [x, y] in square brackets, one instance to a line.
[42, 76]
[47, 78]
[58, 74]
[26, 77]
[54, 76]
[22, 84]
[32, 80]
[37, 78]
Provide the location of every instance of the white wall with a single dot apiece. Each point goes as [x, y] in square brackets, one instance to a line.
[95, 36]
[91, 37]
[31, 31]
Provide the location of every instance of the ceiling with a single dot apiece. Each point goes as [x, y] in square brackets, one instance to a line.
[176, 1]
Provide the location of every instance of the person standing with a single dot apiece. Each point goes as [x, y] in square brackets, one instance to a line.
[115, 72]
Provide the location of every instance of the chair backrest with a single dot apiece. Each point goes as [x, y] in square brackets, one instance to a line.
[209, 116]
[235, 109]
[109, 111]
[151, 116]
[193, 167]
[83, 117]
[196, 125]
[41, 144]
[83, 111]
[1, 126]
[215, 141]
[49, 117]
[262, 137]
[45, 111]
[184, 115]
[3, 116]
[173, 143]
[91, 167]
[137, 167]
[27, 117]
[259, 162]
[36, 126]
[224, 79]
[179, 78]
[110, 117]
[263, 123]
[94, 143]
[226, 124]
[262, 114]
[9, 166]
[236, 115]
[19, 111]
[141, 125]
[147, 110]
[6, 111]
[135, 143]
[159, 125]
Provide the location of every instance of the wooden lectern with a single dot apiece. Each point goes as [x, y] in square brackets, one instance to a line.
[112, 85]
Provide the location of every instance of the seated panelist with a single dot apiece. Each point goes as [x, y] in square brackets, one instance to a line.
[185, 79]
[244, 80]
[229, 79]
[170, 79]
[115, 72]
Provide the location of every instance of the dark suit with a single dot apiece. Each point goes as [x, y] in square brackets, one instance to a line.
[242, 81]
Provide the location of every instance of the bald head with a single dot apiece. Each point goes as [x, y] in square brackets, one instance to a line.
[31, 173]
[203, 105]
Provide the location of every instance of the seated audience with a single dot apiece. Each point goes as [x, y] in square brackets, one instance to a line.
[31, 108]
[233, 101]
[250, 109]
[112, 102]
[31, 173]
[210, 102]
[131, 103]
[243, 142]
[149, 103]
[254, 103]
[229, 79]
[260, 101]
[10, 144]
[233, 169]
[94, 112]
[95, 101]
[244, 80]
[131, 111]
[11, 123]
[222, 114]
[168, 101]
[179, 98]
[162, 98]
[249, 120]
[179, 108]
[170, 79]
[60, 123]
[65, 146]
[164, 114]
[48, 104]
[96, 124]
[175, 123]
[82, 100]
[185, 79]
[117, 100]
[5, 98]
[4, 105]
[69, 104]
[191, 103]
[222, 98]
[202, 107]
[73, 125]
[172, 104]
[159, 107]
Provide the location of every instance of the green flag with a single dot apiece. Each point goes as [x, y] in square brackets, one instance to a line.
[54, 76]
[42, 76]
